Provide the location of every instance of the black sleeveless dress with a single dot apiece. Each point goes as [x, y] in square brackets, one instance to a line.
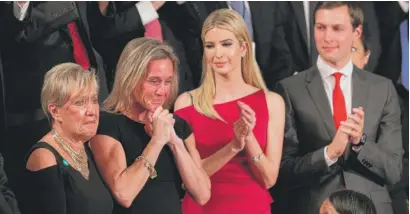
[62, 189]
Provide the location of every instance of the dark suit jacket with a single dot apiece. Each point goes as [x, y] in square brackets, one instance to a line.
[122, 24]
[38, 43]
[390, 16]
[291, 17]
[309, 128]
[8, 202]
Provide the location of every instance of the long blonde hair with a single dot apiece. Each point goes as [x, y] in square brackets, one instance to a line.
[204, 95]
[132, 70]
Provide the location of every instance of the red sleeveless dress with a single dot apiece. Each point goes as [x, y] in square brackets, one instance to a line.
[233, 188]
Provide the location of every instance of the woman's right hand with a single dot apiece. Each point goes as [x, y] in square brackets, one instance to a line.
[162, 123]
[240, 130]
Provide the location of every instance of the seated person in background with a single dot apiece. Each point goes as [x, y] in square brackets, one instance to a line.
[347, 202]
[8, 202]
[140, 148]
[361, 50]
[61, 176]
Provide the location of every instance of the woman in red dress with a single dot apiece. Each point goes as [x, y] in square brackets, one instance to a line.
[237, 124]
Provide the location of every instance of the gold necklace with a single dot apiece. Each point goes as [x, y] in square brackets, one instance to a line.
[80, 159]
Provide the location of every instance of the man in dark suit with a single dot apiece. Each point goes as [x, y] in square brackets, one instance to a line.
[296, 19]
[120, 22]
[35, 36]
[343, 126]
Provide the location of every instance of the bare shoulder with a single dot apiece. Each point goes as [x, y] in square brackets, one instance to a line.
[275, 101]
[40, 158]
[183, 100]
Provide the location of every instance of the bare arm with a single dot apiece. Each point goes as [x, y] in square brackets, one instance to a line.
[124, 182]
[195, 179]
[217, 160]
[266, 170]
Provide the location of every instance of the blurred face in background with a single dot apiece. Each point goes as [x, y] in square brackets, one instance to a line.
[360, 56]
[223, 51]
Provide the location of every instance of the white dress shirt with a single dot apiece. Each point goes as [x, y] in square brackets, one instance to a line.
[404, 6]
[326, 73]
[20, 11]
[146, 11]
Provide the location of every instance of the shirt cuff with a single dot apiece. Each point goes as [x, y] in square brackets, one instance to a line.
[357, 148]
[147, 12]
[20, 11]
[329, 161]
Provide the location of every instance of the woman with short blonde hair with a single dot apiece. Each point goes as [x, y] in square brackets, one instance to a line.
[61, 176]
[237, 123]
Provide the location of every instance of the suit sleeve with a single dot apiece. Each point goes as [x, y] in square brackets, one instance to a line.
[41, 18]
[121, 18]
[371, 23]
[384, 157]
[296, 169]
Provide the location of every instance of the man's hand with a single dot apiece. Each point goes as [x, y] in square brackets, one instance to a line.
[157, 4]
[354, 125]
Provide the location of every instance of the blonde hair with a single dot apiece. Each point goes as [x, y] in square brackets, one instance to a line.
[61, 82]
[230, 20]
[132, 70]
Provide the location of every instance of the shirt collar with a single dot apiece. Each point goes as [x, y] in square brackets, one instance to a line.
[326, 70]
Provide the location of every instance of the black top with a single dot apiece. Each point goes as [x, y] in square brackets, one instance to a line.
[62, 189]
[159, 195]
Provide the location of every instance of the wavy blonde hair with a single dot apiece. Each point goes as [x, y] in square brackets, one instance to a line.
[230, 20]
[62, 81]
[132, 70]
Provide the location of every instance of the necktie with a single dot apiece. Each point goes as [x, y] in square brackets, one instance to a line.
[239, 6]
[404, 40]
[339, 106]
[80, 53]
[153, 30]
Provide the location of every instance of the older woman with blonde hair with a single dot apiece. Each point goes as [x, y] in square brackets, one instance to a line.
[140, 146]
[61, 176]
[237, 123]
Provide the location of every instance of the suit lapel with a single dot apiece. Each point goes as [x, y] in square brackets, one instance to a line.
[300, 18]
[359, 88]
[82, 11]
[317, 93]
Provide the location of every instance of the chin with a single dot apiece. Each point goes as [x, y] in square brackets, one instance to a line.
[221, 71]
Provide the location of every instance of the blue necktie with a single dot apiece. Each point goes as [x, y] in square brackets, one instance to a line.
[404, 38]
[239, 6]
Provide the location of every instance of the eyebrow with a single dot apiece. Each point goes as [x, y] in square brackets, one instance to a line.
[225, 40]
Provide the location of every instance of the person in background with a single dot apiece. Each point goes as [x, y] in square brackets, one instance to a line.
[61, 176]
[140, 147]
[237, 123]
[120, 22]
[361, 50]
[347, 202]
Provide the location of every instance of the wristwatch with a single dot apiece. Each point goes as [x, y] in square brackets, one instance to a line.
[362, 140]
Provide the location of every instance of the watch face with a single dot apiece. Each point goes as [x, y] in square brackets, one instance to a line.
[363, 138]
